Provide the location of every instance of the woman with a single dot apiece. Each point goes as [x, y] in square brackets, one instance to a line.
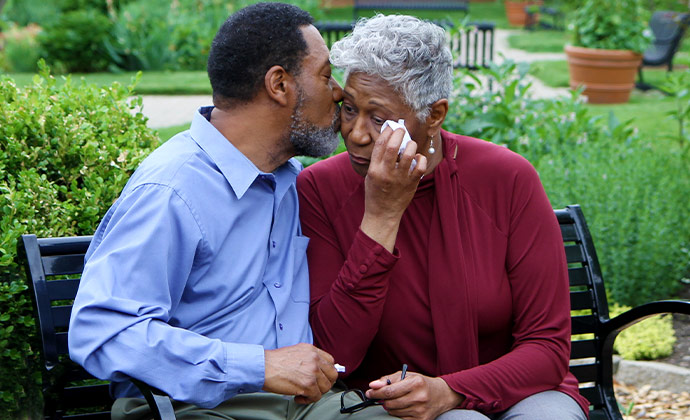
[453, 266]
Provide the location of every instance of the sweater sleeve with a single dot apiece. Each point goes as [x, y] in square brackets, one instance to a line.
[537, 272]
[348, 291]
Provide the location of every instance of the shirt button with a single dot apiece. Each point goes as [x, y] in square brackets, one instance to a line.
[241, 390]
[363, 268]
[280, 326]
[277, 285]
[274, 244]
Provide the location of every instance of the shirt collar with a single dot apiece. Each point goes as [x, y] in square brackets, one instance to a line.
[239, 171]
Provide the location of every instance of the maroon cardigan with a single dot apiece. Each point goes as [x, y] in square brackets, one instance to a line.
[476, 291]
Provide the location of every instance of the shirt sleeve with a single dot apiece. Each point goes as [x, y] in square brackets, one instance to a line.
[537, 271]
[347, 291]
[122, 322]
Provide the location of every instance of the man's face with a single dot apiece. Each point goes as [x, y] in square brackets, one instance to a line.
[316, 116]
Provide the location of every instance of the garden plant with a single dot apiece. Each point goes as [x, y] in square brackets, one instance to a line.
[66, 153]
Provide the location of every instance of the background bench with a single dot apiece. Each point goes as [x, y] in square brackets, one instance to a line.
[382, 5]
[54, 264]
[472, 46]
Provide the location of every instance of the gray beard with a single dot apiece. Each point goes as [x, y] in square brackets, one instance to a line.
[309, 140]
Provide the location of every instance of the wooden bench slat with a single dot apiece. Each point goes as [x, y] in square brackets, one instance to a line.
[61, 343]
[581, 300]
[574, 254]
[578, 276]
[61, 316]
[569, 233]
[585, 373]
[583, 324]
[87, 396]
[581, 349]
[57, 265]
[593, 395]
[62, 289]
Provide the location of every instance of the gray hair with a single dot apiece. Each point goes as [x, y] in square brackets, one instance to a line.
[412, 55]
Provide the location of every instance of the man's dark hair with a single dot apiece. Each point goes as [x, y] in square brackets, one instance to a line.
[249, 43]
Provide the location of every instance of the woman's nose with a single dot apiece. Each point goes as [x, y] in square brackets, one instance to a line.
[360, 134]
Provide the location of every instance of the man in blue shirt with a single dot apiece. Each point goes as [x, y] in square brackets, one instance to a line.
[196, 280]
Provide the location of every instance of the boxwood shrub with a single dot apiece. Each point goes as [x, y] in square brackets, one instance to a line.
[65, 154]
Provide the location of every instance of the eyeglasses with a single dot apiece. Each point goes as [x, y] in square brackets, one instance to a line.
[366, 402]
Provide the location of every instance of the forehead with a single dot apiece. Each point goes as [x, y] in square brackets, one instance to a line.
[317, 52]
[369, 89]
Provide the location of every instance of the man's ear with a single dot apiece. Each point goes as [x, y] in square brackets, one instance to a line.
[279, 85]
[439, 110]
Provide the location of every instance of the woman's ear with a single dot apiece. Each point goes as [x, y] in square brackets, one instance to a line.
[439, 110]
[279, 85]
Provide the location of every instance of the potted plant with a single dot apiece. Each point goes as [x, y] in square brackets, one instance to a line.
[516, 13]
[609, 38]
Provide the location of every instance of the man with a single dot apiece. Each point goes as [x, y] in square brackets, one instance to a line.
[196, 281]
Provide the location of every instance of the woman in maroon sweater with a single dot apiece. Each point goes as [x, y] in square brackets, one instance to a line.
[453, 266]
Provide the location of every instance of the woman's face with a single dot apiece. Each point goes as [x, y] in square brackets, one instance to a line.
[368, 101]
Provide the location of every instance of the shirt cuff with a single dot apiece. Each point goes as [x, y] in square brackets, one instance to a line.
[245, 368]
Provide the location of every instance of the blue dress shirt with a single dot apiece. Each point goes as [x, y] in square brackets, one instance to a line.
[196, 269]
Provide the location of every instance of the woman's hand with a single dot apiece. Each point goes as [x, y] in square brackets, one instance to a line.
[390, 186]
[416, 397]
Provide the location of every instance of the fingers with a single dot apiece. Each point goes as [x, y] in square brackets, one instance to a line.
[386, 148]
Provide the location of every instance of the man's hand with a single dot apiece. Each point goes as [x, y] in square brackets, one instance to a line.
[301, 370]
[390, 186]
[416, 397]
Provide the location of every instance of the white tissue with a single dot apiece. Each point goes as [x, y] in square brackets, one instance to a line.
[406, 138]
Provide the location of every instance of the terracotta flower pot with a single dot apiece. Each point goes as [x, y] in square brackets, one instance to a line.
[515, 11]
[608, 75]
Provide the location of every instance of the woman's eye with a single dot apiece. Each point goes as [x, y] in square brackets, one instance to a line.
[348, 109]
[378, 121]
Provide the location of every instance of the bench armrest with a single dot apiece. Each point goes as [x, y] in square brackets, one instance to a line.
[639, 313]
[159, 402]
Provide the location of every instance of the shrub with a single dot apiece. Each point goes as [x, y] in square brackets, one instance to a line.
[75, 42]
[20, 48]
[634, 194]
[66, 153]
[650, 339]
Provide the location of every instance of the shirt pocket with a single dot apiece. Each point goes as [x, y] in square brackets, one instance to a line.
[300, 283]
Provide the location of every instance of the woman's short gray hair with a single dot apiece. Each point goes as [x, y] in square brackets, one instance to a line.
[412, 55]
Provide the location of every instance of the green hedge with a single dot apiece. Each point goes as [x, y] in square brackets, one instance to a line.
[65, 154]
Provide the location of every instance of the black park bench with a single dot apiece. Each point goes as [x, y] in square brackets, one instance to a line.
[401, 5]
[53, 266]
[472, 45]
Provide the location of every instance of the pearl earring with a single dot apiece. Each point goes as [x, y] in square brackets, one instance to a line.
[431, 146]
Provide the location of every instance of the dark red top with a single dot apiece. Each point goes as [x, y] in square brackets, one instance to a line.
[476, 291]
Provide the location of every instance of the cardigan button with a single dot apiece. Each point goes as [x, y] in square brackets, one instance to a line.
[363, 268]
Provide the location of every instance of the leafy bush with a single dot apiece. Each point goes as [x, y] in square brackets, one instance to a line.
[74, 43]
[19, 48]
[612, 25]
[66, 153]
[633, 193]
[650, 339]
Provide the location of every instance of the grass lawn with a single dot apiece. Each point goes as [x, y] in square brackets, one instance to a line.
[539, 41]
[151, 83]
